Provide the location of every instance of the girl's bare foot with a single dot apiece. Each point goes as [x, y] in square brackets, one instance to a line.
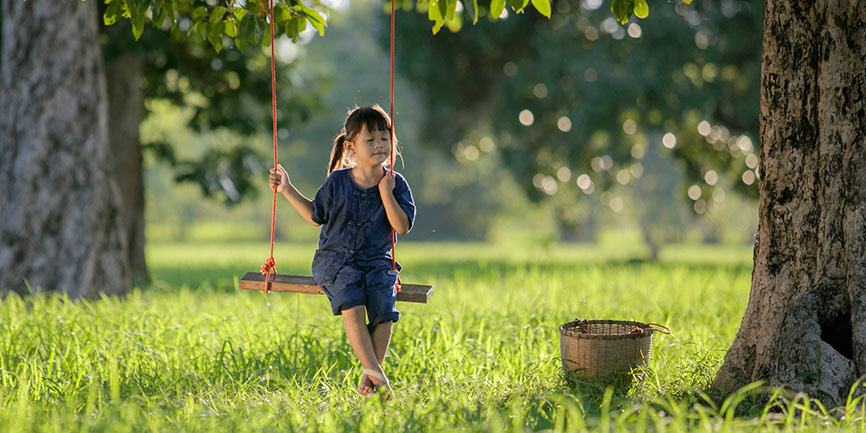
[366, 388]
[381, 384]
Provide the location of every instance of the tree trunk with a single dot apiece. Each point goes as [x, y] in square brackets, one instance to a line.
[125, 113]
[805, 324]
[646, 230]
[60, 228]
[582, 227]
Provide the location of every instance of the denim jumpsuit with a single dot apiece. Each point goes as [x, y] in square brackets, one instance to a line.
[353, 262]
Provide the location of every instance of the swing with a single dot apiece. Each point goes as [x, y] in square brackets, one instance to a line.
[303, 284]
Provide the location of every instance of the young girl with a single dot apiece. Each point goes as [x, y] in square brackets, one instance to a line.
[356, 207]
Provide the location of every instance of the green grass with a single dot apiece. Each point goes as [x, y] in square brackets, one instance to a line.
[192, 353]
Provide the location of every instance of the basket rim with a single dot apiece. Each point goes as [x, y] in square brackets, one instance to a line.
[569, 329]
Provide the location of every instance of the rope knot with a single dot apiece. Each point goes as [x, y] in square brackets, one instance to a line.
[269, 266]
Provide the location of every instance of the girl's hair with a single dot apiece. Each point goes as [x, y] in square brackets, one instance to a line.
[373, 117]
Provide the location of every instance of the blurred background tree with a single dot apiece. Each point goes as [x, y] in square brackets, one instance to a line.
[578, 104]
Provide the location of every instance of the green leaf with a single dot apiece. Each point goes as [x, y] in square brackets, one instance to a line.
[199, 13]
[138, 17]
[472, 9]
[434, 13]
[124, 7]
[246, 33]
[318, 23]
[217, 15]
[199, 30]
[215, 34]
[622, 9]
[688, 2]
[443, 8]
[438, 26]
[455, 23]
[258, 32]
[300, 24]
[542, 6]
[252, 6]
[291, 29]
[316, 20]
[641, 9]
[282, 14]
[296, 23]
[496, 8]
[451, 8]
[164, 13]
[112, 12]
[231, 28]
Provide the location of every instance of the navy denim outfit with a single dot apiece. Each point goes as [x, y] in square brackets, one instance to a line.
[353, 262]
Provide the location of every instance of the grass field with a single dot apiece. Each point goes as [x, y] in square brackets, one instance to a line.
[192, 353]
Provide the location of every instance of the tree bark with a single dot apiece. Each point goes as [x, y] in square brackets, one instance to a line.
[60, 228]
[805, 324]
[125, 114]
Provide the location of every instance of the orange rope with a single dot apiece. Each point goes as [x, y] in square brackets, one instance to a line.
[393, 144]
[270, 265]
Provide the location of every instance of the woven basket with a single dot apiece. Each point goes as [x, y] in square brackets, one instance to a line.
[605, 350]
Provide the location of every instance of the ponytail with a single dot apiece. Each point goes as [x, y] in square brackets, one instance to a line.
[337, 153]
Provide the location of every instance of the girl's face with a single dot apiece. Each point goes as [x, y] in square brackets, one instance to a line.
[370, 148]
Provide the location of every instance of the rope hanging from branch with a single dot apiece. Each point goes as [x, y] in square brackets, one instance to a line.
[269, 266]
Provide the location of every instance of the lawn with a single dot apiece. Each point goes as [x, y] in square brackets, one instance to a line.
[193, 353]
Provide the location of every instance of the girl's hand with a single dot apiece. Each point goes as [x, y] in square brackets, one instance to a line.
[279, 179]
[388, 183]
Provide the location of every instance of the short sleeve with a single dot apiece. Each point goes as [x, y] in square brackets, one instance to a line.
[405, 199]
[322, 203]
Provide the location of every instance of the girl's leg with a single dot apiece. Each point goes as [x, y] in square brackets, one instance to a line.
[361, 341]
[381, 339]
[359, 337]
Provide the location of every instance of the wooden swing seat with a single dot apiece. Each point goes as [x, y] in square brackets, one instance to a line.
[302, 284]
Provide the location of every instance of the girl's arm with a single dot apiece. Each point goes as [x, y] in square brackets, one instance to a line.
[396, 216]
[280, 182]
